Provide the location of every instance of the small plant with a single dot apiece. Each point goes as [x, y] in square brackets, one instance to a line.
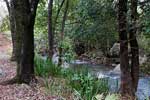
[112, 97]
[68, 52]
[45, 68]
[87, 85]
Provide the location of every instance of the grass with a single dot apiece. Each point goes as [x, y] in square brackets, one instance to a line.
[79, 84]
[45, 68]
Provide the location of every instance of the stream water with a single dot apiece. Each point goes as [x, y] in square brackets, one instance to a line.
[102, 71]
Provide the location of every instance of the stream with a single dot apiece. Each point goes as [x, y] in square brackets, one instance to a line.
[102, 71]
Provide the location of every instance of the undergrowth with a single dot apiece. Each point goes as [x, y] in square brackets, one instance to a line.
[83, 85]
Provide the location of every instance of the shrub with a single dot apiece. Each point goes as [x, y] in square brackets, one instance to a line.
[81, 81]
[45, 68]
[87, 85]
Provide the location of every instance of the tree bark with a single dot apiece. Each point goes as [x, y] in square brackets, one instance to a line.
[126, 81]
[50, 29]
[24, 14]
[134, 46]
[12, 28]
[27, 60]
[62, 32]
[17, 12]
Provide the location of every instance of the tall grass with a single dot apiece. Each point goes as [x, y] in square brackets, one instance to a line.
[45, 68]
[82, 82]
[87, 85]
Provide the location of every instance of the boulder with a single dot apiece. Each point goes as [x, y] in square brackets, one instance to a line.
[115, 50]
[116, 70]
[143, 59]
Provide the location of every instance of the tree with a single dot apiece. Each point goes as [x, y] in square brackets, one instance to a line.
[134, 45]
[62, 32]
[12, 28]
[126, 81]
[26, 72]
[93, 24]
[50, 29]
[24, 12]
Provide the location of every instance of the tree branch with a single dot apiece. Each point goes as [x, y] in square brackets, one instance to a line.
[59, 9]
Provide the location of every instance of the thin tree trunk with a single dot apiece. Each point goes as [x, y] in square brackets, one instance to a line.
[126, 81]
[134, 46]
[50, 31]
[62, 32]
[12, 28]
[16, 10]
[57, 15]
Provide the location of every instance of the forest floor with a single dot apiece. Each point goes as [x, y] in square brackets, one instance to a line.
[8, 71]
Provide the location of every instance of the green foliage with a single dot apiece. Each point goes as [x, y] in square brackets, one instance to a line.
[112, 97]
[46, 68]
[144, 37]
[88, 86]
[95, 25]
[89, 21]
[67, 46]
[145, 68]
[107, 97]
[144, 43]
[57, 86]
[144, 19]
[40, 27]
[5, 26]
[83, 83]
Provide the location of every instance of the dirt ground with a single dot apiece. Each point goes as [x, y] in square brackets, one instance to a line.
[8, 71]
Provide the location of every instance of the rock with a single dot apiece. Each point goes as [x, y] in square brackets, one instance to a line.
[116, 70]
[55, 61]
[114, 51]
[113, 65]
[55, 58]
[143, 59]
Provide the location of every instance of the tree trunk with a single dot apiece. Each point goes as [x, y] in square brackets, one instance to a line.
[57, 15]
[27, 61]
[50, 31]
[134, 46]
[12, 28]
[62, 32]
[25, 12]
[126, 82]
[17, 12]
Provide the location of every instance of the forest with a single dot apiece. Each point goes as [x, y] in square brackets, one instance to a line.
[75, 50]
